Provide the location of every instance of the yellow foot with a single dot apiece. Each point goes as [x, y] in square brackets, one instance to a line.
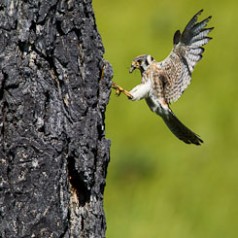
[120, 90]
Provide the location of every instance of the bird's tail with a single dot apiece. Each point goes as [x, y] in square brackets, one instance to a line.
[180, 130]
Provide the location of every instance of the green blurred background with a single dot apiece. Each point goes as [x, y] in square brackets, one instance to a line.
[157, 186]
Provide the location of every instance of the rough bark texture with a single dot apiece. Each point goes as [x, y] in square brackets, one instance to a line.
[54, 88]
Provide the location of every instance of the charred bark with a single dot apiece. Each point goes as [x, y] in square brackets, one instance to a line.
[54, 88]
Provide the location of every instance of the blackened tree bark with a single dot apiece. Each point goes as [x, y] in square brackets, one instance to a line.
[54, 88]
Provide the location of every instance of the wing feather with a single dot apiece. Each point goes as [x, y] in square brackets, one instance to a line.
[187, 51]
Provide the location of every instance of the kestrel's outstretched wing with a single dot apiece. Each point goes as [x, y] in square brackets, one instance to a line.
[187, 51]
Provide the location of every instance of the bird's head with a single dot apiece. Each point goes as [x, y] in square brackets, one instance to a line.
[141, 62]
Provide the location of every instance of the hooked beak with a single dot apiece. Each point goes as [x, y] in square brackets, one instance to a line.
[133, 67]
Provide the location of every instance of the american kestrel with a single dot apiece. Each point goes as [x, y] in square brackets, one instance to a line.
[164, 82]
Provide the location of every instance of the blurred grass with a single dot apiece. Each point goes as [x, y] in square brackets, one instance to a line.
[156, 185]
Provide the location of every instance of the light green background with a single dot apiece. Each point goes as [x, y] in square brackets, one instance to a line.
[157, 186]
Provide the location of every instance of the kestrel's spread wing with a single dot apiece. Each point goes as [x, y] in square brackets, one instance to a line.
[187, 51]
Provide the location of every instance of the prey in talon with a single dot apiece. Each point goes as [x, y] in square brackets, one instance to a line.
[163, 83]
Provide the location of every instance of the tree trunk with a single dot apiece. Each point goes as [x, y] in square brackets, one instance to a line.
[54, 88]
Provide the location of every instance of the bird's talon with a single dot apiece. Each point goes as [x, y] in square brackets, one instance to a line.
[118, 92]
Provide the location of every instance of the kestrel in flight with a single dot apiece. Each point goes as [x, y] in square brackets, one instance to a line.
[164, 82]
